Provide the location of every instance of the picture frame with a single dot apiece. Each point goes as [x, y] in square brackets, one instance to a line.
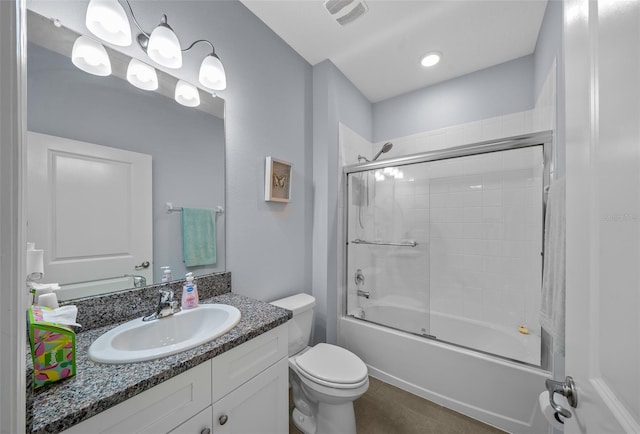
[277, 180]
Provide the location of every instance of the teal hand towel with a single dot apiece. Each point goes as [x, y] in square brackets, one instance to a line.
[198, 236]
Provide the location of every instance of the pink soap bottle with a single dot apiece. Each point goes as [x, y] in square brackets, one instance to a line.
[189, 293]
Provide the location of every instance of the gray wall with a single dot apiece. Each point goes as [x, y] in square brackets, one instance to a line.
[549, 43]
[548, 48]
[495, 91]
[187, 145]
[335, 99]
[268, 112]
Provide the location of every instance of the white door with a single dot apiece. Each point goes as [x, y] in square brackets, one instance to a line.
[89, 208]
[602, 76]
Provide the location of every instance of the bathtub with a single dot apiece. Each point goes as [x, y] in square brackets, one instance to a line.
[491, 389]
[406, 314]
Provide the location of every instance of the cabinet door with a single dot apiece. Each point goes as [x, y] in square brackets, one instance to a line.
[259, 406]
[157, 410]
[236, 367]
[198, 424]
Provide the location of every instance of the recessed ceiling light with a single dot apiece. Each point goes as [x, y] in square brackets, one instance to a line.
[431, 59]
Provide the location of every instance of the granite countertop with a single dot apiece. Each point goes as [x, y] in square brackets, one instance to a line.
[96, 387]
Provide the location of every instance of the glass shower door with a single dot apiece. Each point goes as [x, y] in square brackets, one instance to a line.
[485, 226]
[387, 247]
[451, 249]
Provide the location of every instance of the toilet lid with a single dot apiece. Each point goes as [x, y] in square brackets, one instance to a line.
[332, 364]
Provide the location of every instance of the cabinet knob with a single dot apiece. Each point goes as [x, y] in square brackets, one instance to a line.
[206, 431]
[223, 419]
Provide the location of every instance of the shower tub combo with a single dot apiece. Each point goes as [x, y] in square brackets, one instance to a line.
[443, 274]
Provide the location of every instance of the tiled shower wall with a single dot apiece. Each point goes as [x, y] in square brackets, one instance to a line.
[486, 238]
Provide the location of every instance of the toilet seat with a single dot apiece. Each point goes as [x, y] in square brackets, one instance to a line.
[332, 366]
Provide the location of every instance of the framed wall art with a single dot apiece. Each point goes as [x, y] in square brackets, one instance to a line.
[277, 180]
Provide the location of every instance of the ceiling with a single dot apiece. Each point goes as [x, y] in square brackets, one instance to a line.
[380, 52]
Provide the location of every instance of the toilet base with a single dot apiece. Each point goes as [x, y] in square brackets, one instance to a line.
[336, 419]
[331, 419]
[304, 423]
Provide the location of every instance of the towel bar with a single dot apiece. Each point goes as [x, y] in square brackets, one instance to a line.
[171, 208]
[385, 243]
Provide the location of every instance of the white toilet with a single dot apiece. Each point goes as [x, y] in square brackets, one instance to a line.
[325, 379]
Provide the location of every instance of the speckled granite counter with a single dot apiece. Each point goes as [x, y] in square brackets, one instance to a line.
[97, 387]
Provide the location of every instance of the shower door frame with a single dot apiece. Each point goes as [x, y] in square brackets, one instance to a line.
[544, 139]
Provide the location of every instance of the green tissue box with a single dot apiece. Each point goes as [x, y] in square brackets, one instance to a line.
[53, 348]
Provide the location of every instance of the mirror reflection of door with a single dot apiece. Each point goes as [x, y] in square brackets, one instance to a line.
[90, 210]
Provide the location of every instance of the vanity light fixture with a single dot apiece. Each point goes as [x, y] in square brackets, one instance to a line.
[212, 72]
[107, 18]
[162, 45]
[108, 21]
[187, 94]
[431, 59]
[142, 75]
[90, 56]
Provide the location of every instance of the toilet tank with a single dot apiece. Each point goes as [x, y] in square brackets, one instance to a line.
[300, 325]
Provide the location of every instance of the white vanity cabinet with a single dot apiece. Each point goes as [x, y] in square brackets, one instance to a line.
[199, 424]
[242, 391]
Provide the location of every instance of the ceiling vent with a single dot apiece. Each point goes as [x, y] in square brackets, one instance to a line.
[346, 11]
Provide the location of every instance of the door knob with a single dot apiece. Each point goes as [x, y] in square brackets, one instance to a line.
[566, 389]
[142, 266]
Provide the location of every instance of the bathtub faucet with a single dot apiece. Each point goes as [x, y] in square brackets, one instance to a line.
[365, 294]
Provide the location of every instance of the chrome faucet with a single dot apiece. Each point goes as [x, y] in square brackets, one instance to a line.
[359, 278]
[138, 281]
[167, 306]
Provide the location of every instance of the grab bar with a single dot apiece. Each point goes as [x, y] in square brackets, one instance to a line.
[385, 243]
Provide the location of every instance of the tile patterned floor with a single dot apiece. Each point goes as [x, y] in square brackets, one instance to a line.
[385, 409]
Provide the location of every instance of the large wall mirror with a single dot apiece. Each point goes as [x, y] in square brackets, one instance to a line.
[184, 146]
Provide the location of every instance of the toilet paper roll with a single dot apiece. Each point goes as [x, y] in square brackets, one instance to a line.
[48, 300]
[548, 411]
[35, 263]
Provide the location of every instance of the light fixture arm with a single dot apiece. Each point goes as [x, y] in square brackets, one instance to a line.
[143, 39]
[135, 21]
[213, 49]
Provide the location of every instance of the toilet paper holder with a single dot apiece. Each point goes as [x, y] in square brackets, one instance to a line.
[566, 388]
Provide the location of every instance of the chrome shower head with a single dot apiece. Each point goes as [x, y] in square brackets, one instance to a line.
[385, 148]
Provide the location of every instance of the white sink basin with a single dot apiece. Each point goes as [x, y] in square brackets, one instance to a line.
[137, 340]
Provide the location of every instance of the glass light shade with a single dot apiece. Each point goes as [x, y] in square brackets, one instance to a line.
[212, 73]
[141, 75]
[187, 94]
[108, 21]
[164, 47]
[90, 56]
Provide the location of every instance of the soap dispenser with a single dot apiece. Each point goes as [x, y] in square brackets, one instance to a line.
[189, 293]
[166, 274]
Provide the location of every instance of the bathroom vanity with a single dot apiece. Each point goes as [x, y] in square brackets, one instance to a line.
[235, 383]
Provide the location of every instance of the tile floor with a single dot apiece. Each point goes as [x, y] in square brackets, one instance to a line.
[385, 409]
